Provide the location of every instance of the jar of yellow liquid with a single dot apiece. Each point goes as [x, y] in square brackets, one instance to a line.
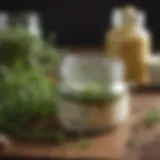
[112, 35]
[134, 46]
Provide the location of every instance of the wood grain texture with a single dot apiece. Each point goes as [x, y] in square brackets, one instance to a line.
[107, 146]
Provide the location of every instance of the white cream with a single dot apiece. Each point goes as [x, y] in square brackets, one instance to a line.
[77, 117]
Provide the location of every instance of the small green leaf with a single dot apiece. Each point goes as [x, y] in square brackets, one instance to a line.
[152, 117]
[85, 143]
[130, 143]
[59, 137]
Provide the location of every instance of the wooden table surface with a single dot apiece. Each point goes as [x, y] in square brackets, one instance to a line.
[111, 145]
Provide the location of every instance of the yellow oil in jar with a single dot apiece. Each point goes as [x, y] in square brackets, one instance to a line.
[133, 51]
[134, 48]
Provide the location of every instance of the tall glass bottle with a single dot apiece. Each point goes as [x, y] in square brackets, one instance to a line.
[135, 45]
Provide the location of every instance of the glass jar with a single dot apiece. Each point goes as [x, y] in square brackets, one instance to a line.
[135, 46]
[86, 69]
[93, 95]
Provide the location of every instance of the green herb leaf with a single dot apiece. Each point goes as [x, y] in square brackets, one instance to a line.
[130, 143]
[85, 143]
[152, 117]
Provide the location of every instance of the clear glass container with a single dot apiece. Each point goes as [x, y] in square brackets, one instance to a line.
[135, 46]
[82, 70]
[102, 78]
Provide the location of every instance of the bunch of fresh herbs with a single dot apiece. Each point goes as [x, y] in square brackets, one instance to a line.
[27, 96]
[32, 50]
[91, 96]
[152, 117]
